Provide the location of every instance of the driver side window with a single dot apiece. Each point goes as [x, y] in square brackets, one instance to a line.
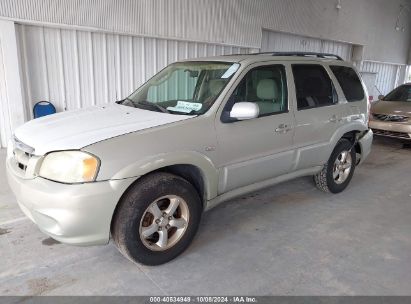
[266, 86]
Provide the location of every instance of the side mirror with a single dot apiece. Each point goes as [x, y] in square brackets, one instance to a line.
[244, 110]
[380, 97]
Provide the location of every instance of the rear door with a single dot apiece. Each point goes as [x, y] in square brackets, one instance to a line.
[318, 114]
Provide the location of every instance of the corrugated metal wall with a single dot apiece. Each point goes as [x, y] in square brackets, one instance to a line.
[275, 41]
[388, 76]
[11, 104]
[4, 113]
[235, 22]
[74, 68]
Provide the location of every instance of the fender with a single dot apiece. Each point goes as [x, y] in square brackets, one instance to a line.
[156, 162]
[356, 125]
[319, 153]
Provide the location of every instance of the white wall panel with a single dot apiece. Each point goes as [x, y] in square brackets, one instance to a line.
[73, 68]
[387, 75]
[402, 75]
[339, 48]
[70, 67]
[4, 113]
[232, 22]
[277, 42]
[11, 99]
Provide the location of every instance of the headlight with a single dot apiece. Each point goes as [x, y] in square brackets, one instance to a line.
[70, 167]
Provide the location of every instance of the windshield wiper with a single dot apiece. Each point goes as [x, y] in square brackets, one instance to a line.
[125, 99]
[153, 105]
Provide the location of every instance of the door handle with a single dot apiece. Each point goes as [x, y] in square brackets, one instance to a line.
[283, 128]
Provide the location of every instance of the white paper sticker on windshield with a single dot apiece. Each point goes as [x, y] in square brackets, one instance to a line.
[231, 70]
[186, 107]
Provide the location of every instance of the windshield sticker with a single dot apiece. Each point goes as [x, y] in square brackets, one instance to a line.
[231, 70]
[186, 107]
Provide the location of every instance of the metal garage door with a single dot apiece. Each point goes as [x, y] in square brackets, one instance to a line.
[276, 41]
[387, 77]
[74, 68]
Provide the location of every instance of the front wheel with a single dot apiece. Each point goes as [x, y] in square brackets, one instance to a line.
[338, 171]
[157, 219]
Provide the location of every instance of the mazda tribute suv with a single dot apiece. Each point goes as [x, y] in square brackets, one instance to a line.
[142, 170]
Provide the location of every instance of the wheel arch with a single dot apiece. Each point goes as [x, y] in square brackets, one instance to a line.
[195, 167]
[348, 132]
[188, 165]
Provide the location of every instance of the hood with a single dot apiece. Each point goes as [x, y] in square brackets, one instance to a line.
[73, 130]
[392, 107]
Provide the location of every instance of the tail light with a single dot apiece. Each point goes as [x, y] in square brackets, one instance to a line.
[369, 111]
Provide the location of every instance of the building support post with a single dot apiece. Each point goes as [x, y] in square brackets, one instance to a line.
[11, 97]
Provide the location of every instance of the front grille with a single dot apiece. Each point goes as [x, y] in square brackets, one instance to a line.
[21, 154]
[390, 117]
[391, 134]
[21, 158]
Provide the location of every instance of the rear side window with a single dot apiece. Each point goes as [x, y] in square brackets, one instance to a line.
[349, 82]
[313, 86]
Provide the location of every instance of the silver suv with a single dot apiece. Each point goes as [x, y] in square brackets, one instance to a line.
[202, 131]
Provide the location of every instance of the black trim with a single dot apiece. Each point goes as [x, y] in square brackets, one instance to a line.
[225, 118]
[301, 54]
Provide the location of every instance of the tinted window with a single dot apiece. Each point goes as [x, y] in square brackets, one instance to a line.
[266, 86]
[313, 86]
[402, 93]
[349, 82]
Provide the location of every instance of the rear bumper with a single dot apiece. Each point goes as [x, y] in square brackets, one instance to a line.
[365, 143]
[391, 129]
[74, 214]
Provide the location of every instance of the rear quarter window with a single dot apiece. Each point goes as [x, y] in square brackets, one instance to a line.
[349, 81]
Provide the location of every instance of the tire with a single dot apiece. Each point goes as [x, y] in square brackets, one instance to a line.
[326, 180]
[136, 218]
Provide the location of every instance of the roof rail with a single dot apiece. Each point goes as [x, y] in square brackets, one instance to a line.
[302, 54]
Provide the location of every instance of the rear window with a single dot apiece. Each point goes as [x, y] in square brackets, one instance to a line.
[349, 82]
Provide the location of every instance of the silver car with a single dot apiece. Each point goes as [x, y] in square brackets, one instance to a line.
[142, 170]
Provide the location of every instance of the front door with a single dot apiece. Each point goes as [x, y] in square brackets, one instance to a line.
[257, 149]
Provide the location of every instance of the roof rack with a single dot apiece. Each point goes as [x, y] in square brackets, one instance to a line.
[301, 54]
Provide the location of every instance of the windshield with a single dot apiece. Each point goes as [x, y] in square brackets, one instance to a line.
[188, 88]
[402, 93]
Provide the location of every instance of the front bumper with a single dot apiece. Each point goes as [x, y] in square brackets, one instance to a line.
[78, 214]
[392, 129]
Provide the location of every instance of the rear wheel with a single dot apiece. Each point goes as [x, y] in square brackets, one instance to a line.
[157, 219]
[338, 171]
